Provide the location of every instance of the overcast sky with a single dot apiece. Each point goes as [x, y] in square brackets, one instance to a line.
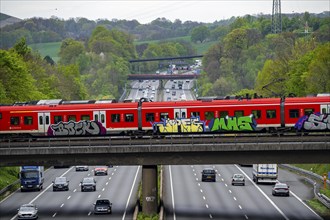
[146, 11]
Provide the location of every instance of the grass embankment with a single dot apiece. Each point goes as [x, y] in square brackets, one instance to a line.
[8, 175]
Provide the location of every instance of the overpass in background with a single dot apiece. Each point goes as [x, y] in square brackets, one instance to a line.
[162, 76]
[165, 58]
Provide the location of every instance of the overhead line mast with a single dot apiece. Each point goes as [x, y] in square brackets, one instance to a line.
[276, 17]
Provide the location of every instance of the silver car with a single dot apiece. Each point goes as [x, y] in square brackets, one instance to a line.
[82, 168]
[238, 179]
[27, 211]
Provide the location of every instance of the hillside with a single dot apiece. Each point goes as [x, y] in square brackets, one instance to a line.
[7, 20]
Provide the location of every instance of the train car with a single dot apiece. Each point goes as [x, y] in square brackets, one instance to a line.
[240, 115]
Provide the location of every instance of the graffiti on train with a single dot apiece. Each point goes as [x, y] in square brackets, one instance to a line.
[76, 128]
[179, 125]
[314, 122]
[245, 123]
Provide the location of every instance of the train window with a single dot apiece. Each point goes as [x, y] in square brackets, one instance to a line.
[96, 117]
[14, 120]
[308, 111]
[28, 120]
[256, 114]
[324, 111]
[129, 117]
[57, 119]
[294, 113]
[85, 118]
[271, 114]
[223, 114]
[209, 115]
[41, 122]
[150, 117]
[47, 120]
[239, 114]
[102, 118]
[115, 118]
[0, 115]
[163, 115]
[195, 114]
[72, 118]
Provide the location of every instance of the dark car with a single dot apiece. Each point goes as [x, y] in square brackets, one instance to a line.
[208, 174]
[238, 179]
[281, 189]
[102, 206]
[101, 171]
[88, 183]
[60, 183]
[27, 211]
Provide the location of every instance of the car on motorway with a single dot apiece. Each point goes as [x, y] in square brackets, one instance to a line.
[102, 206]
[27, 211]
[238, 179]
[88, 184]
[281, 189]
[208, 174]
[100, 171]
[173, 93]
[61, 183]
[82, 168]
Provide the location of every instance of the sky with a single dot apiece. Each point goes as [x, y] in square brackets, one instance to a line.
[149, 10]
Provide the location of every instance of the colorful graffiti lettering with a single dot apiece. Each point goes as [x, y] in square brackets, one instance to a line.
[183, 125]
[314, 122]
[245, 123]
[76, 128]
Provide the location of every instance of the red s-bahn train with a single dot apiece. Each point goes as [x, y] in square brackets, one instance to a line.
[263, 114]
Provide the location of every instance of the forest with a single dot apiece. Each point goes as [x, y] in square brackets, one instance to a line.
[246, 58]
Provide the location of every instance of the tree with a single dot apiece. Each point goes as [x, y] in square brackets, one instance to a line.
[200, 34]
[70, 51]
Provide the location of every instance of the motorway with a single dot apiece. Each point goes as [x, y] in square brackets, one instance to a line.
[120, 186]
[184, 195]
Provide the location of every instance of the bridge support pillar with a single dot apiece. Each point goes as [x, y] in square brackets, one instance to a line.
[149, 189]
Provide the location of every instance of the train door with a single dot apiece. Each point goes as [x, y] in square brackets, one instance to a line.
[325, 109]
[100, 117]
[180, 113]
[43, 122]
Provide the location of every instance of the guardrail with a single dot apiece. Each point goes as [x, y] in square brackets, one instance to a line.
[320, 197]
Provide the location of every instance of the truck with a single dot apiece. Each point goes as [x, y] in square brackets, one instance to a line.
[31, 178]
[265, 173]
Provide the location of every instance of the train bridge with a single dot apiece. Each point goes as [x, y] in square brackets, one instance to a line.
[162, 76]
[177, 149]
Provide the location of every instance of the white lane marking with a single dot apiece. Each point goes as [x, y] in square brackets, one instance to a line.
[172, 193]
[130, 194]
[99, 196]
[103, 189]
[204, 198]
[246, 217]
[62, 205]
[68, 197]
[210, 216]
[239, 206]
[74, 190]
[235, 198]
[229, 191]
[43, 192]
[207, 206]
[226, 185]
[54, 215]
[109, 178]
[195, 174]
[89, 213]
[222, 180]
[300, 200]
[262, 192]
[198, 184]
[201, 190]
[106, 183]
[196, 179]
[193, 170]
